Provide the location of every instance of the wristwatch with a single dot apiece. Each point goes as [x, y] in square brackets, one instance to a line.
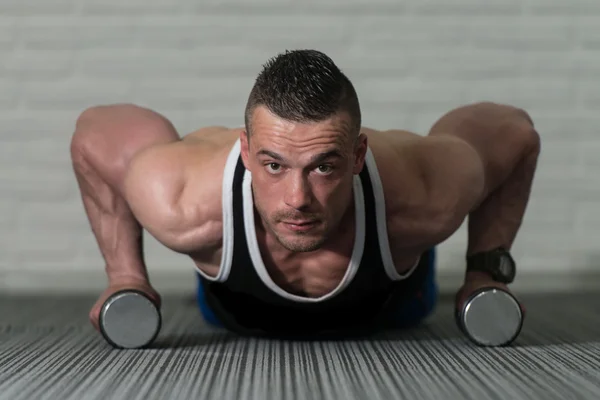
[498, 263]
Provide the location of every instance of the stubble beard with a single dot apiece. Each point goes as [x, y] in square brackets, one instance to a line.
[302, 243]
[297, 242]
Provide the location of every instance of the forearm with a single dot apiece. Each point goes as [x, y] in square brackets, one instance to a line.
[497, 220]
[508, 147]
[119, 237]
[118, 234]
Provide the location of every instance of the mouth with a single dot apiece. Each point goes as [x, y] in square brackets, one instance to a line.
[298, 226]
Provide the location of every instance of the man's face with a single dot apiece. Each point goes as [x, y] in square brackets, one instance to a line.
[302, 175]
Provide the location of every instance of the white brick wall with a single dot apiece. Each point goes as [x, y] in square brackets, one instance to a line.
[195, 61]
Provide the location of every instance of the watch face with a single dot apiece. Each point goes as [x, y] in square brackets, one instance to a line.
[506, 268]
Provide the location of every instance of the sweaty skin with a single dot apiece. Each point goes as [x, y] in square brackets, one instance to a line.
[136, 173]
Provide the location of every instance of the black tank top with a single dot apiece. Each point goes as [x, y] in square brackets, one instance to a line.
[248, 302]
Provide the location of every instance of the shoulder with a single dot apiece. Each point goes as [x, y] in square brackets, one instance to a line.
[397, 166]
[394, 159]
[174, 190]
[430, 183]
[170, 166]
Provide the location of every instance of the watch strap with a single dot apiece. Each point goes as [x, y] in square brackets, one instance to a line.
[488, 262]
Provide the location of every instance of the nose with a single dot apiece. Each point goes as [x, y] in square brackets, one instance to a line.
[298, 193]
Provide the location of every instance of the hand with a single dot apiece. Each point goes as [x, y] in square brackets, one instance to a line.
[116, 285]
[477, 280]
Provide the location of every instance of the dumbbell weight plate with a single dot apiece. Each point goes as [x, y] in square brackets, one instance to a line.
[129, 320]
[491, 317]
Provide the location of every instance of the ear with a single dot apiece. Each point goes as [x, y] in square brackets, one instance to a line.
[360, 153]
[244, 147]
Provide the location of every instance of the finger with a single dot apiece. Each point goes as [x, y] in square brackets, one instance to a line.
[462, 295]
[158, 299]
[94, 320]
[523, 308]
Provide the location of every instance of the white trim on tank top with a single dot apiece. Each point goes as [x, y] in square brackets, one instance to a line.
[382, 232]
[227, 205]
[257, 261]
[228, 237]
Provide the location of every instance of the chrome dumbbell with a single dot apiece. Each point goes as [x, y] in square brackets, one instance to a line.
[129, 319]
[490, 317]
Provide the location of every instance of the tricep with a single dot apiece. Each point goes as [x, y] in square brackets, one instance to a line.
[454, 173]
[174, 193]
[153, 182]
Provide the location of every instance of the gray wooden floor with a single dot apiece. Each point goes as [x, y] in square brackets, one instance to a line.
[48, 350]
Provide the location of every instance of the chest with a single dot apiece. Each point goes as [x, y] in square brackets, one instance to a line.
[311, 277]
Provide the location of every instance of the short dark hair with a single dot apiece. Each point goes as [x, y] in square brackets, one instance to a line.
[303, 86]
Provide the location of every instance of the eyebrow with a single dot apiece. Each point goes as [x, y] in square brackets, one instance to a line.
[317, 158]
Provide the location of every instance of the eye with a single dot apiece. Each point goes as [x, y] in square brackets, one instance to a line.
[273, 168]
[325, 169]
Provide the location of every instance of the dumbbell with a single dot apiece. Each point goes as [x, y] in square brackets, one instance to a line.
[490, 317]
[129, 319]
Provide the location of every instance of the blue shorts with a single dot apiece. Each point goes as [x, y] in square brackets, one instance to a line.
[409, 313]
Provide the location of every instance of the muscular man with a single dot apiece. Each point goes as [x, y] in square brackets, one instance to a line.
[304, 221]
